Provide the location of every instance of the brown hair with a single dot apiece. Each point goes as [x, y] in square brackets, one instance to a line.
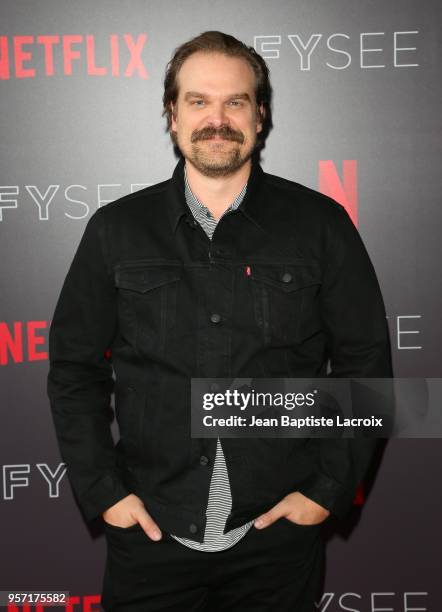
[218, 42]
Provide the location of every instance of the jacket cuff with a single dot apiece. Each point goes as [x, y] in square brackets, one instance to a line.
[105, 493]
[328, 493]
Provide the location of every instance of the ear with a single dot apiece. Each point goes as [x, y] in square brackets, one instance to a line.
[261, 116]
[173, 109]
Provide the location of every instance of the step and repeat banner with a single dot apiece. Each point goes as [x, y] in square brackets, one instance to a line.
[356, 116]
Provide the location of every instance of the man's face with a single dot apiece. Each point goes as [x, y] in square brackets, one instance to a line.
[215, 119]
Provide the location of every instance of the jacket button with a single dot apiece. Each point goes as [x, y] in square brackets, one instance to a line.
[286, 277]
[215, 317]
[204, 460]
[193, 528]
[130, 389]
[214, 387]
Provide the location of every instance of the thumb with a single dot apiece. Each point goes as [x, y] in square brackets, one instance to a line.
[151, 529]
[269, 517]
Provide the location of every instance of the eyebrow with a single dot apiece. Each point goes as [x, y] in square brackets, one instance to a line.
[197, 94]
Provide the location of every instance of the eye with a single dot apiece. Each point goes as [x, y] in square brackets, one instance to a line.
[235, 102]
[198, 103]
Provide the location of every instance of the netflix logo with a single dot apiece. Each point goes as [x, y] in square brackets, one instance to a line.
[342, 188]
[23, 341]
[28, 57]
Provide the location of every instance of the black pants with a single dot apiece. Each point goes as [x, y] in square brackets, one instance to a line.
[277, 569]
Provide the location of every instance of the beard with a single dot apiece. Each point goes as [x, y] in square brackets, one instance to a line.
[215, 158]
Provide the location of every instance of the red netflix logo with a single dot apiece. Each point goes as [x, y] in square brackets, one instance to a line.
[23, 341]
[345, 190]
[24, 57]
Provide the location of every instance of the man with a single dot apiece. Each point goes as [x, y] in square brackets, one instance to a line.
[221, 271]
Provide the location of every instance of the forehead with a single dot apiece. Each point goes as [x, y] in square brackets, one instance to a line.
[215, 73]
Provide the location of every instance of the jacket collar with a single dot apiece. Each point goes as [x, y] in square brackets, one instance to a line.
[252, 205]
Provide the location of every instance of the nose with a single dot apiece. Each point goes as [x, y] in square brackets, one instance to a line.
[217, 116]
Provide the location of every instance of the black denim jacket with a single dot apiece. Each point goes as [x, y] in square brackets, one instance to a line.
[284, 286]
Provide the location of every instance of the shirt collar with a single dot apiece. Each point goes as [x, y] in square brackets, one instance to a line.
[251, 205]
[198, 208]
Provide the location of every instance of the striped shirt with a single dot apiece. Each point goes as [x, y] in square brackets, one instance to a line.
[220, 498]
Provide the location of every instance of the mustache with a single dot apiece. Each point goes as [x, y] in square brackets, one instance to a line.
[224, 131]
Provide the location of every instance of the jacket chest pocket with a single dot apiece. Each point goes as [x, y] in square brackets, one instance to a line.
[148, 296]
[285, 301]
